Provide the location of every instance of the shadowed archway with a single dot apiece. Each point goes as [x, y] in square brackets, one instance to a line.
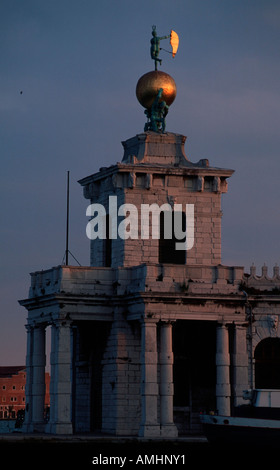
[267, 364]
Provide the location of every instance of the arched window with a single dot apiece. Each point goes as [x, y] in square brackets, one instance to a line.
[267, 364]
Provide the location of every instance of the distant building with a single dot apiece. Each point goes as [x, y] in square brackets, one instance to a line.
[12, 390]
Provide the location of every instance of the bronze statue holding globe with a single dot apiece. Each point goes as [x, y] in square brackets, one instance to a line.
[156, 115]
[157, 90]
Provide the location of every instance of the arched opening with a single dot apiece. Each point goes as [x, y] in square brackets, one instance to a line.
[267, 364]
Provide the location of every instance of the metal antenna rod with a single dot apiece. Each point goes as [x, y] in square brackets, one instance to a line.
[67, 223]
[67, 251]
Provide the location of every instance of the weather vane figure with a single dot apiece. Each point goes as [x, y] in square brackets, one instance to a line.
[155, 45]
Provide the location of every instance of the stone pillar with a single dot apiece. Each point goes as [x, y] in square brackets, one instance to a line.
[28, 384]
[240, 364]
[222, 365]
[61, 386]
[38, 378]
[149, 386]
[167, 426]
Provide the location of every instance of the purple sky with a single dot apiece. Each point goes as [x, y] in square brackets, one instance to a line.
[77, 63]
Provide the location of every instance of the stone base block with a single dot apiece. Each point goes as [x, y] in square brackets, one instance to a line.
[34, 427]
[149, 430]
[59, 428]
[169, 430]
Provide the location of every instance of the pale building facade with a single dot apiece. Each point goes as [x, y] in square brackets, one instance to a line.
[148, 336]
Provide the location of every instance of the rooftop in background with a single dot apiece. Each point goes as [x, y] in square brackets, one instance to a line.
[8, 371]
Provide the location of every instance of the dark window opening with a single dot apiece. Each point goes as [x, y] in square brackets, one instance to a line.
[167, 246]
[194, 370]
[107, 244]
[89, 347]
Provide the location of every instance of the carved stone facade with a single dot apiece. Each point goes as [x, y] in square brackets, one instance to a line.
[143, 340]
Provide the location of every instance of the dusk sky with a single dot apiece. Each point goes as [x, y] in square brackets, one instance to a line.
[69, 69]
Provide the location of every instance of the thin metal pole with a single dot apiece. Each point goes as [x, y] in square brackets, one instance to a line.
[67, 223]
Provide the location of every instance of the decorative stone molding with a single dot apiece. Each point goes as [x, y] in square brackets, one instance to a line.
[265, 326]
[262, 282]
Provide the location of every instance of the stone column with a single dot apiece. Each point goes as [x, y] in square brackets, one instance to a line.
[28, 384]
[222, 365]
[167, 426]
[51, 422]
[38, 378]
[240, 364]
[149, 386]
[61, 385]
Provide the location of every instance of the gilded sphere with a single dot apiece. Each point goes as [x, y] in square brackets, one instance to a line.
[149, 84]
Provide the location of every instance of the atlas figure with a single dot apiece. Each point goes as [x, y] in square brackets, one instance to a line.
[156, 115]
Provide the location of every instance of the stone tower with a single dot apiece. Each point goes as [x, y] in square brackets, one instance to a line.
[155, 170]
